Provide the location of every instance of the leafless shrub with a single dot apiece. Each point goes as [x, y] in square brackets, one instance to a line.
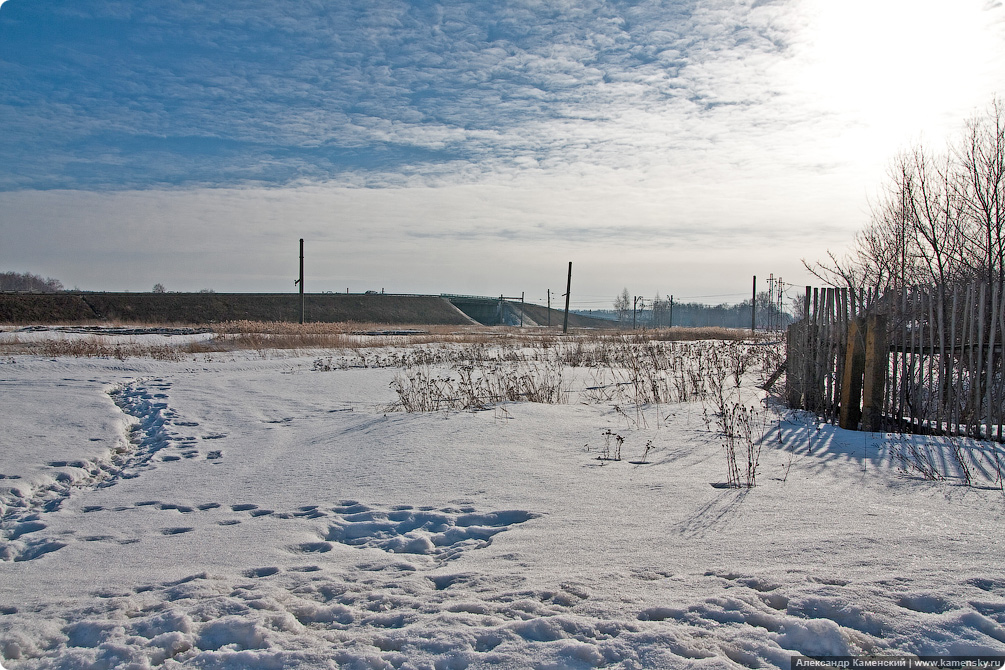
[961, 458]
[477, 386]
[919, 462]
[606, 454]
[645, 454]
[741, 441]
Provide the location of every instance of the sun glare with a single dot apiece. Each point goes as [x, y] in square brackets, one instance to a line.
[904, 66]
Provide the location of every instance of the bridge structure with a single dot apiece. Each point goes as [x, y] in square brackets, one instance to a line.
[501, 311]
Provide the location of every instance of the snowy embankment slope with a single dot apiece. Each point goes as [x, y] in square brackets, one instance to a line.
[263, 515]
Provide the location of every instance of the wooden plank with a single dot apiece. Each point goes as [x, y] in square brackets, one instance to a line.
[874, 378]
[807, 362]
[828, 353]
[979, 361]
[971, 369]
[1000, 378]
[933, 398]
[963, 364]
[912, 410]
[905, 339]
[989, 376]
[949, 360]
[887, 401]
[814, 390]
[898, 338]
[854, 368]
[842, 345]
[940, 360]
[795, 352]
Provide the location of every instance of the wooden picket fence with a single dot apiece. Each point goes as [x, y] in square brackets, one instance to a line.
[925, 360]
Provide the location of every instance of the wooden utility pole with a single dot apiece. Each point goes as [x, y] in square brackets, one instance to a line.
[301, 280]
[670, 325]
[549, 308]
[521, 308]
[568, 292]
[635, 307]
[753, 308]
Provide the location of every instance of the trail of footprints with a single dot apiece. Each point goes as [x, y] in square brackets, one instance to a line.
[437, 534]
[152, 441]
[156, 431]
[426, 535]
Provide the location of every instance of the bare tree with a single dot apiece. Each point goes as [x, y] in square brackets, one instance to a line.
[981, 163]
[623, 305]
[939, 220]
[660, 307]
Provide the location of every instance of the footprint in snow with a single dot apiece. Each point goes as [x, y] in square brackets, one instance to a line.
[177, 531]
[442, 534]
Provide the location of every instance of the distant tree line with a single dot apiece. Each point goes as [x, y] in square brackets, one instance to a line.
[940, 220]
[26, 281]
[658, 312]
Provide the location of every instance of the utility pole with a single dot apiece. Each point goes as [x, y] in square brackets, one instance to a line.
[549, 308]
[301, 280]
[780, 296]
[671, 311]
[753, 308]
[635, 306]
[568, 292]
[521, 308]
[771, 301]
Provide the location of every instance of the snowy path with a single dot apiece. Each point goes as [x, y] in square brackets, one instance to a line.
[259, 515]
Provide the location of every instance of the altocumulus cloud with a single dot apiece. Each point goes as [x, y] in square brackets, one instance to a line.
[677, 144]
[108, 94]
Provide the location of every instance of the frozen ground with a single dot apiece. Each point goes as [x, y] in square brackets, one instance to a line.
[240, 512]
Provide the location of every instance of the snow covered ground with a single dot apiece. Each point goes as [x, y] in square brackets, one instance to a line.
[241, 511]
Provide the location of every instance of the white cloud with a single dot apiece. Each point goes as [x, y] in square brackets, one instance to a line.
[501, 235]
[634, 135]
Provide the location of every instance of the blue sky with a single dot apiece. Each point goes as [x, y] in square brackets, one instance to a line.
[678, 146]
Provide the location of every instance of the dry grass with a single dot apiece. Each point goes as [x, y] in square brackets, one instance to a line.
[99, 347]
[247, 335]
[580, 347]
[693, 334]
[477, 386]
[473, 367]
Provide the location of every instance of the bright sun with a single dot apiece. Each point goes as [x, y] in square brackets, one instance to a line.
[915, 65]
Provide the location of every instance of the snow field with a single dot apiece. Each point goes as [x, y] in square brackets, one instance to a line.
[264, 515]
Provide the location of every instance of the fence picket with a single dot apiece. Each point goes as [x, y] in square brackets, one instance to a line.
[963, 369]
[936, 358]
[999, 377]
[988, 379]
[978, 361]
[950, 359]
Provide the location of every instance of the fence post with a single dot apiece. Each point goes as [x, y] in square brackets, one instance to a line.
[854, 370]
[877, 349]
[795, 363]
